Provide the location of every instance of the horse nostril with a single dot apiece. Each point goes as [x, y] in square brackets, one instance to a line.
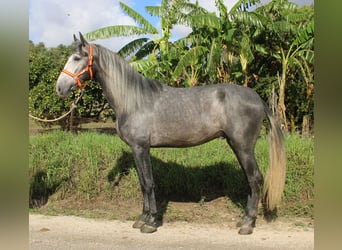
[59, 89]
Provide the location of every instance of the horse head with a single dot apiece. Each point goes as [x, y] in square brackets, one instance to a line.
[77, 69]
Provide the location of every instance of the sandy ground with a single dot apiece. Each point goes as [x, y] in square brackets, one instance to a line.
[70, 232]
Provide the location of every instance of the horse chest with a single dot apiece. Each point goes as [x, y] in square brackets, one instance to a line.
[132, 129]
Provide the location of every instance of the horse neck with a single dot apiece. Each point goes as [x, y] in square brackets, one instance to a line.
[125, 89]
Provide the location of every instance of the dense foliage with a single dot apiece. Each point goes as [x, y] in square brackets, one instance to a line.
[268, 48]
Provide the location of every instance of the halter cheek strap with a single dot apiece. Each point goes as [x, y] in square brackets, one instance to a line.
[87, 68]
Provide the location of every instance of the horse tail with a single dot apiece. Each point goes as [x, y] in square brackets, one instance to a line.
[275, 176]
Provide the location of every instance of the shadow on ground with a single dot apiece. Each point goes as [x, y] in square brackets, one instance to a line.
[176, 183]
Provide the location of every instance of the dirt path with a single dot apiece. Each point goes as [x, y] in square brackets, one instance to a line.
[69, 232]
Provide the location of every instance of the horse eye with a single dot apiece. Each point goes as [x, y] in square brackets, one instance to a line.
[77, 58]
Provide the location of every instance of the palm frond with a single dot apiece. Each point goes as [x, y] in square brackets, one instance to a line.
[144, 65]
[188, 59]
[214, 58]
[209, 20]
[132, 46]
[192, 8]
[245, 49]
[115, 31]
[185, 42]
[222, 8]
[153, 10]
[305, 35]
[139, 19]
[145, 50]
[281, 26]
[242, 5]
[250, 18]
[308, 55]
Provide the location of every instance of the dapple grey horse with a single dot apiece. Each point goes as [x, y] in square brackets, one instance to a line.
[151, 114]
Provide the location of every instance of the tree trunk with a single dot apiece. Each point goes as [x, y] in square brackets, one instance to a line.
[306, 125]
[281, 100]
[71, 121]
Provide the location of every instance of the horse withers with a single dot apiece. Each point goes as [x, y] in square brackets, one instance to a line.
[151, 114]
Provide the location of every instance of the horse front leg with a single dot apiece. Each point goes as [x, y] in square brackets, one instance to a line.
[148, 219]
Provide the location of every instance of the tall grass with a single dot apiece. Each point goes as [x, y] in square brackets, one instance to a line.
[91, 165]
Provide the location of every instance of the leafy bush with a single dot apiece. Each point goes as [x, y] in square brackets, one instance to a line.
[46, 104]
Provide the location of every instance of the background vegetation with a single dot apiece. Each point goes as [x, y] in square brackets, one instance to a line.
[268, 48]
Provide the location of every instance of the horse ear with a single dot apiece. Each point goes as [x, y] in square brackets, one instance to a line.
[75, 38]
[83, 40]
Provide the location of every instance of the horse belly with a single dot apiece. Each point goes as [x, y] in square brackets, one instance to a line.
[183, 135]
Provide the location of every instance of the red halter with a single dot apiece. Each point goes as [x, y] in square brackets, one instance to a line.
[86, 68]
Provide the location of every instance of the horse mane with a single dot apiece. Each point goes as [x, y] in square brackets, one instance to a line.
[127, 87]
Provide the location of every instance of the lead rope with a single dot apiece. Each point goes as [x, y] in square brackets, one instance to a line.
[72, 107]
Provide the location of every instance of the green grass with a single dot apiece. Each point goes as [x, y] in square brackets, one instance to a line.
[90, 165]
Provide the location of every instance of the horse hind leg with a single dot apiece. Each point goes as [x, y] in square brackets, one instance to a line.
[254, 177]
[255, 181]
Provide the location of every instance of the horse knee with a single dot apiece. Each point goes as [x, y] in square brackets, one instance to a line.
[148, 187]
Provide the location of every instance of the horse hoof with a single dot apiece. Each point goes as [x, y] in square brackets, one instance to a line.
[245, 230]
[138, 224]
[239, 224]
[148, 229]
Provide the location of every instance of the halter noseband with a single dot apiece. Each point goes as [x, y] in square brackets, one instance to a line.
[86, 68]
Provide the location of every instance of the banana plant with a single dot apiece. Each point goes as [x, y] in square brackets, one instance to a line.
[225, 39]
[290, 33]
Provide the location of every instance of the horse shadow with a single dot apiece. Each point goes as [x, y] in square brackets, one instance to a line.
[40, 189]
[177, 183]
